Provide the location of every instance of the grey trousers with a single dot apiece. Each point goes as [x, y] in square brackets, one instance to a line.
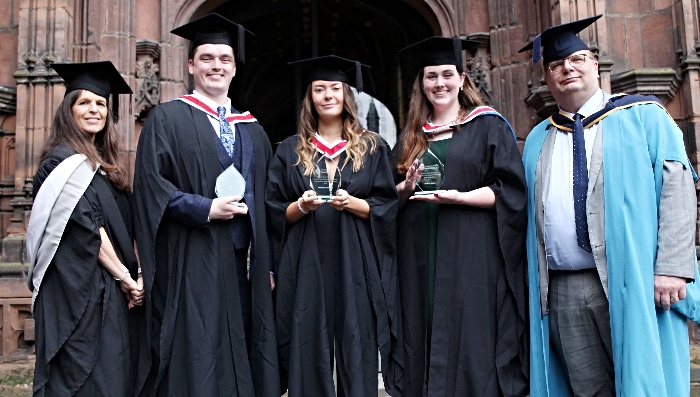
[579, 329]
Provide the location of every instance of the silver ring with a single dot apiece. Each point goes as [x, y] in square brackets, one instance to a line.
[674, 299]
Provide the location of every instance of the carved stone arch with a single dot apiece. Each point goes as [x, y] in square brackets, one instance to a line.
[372, 31]
[189, 10]
[173, 65]
[445, 16]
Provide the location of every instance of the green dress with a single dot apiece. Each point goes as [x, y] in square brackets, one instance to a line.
[439, 149]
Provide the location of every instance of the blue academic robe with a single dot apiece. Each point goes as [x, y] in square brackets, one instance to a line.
[650, 346]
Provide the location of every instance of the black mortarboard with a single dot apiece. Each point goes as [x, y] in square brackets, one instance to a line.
[559, 41]
[332, 68]
[438, 50]
[101, 78]
[215, 29]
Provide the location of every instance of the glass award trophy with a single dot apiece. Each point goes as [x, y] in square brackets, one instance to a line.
[230, 183]
[322, 185]
[432, 176]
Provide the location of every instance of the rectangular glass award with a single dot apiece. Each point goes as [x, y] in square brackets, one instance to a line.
[322, 185]
[230, 183]
[432, 175]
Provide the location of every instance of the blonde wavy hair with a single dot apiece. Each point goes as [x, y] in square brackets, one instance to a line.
[413, 140]
[360, 141]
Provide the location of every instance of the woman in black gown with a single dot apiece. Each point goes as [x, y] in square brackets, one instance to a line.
[330, 256]
[461, 254]
[84, 292]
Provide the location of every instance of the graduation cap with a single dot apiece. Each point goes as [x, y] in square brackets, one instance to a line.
[332, 68]
[101, 78]
[559, 41]
[438, 50]
[215, 29]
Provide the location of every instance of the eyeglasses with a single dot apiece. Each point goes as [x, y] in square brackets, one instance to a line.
[574, 60]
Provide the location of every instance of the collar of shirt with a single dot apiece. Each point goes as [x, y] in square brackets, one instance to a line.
[592, 105]
[213, 104]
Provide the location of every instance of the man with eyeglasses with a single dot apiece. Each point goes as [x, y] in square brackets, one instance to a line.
[611, 235]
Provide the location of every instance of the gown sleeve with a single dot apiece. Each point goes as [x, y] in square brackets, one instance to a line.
[279, 194]
[506, 177]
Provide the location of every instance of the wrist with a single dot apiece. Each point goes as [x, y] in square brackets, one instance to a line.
[408, 186]
[123, 276]
[300, 207]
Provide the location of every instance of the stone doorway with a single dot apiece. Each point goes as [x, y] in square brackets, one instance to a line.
[288, 30]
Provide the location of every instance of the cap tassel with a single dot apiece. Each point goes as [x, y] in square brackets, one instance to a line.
[241, 44]
[115, 108]
[536, 49]
[358, 76]
[457, 46]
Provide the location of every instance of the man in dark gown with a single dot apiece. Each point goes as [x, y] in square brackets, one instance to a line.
[201, 304]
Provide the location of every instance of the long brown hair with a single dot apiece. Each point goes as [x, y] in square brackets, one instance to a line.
[104, 151]
[413, 140]
[359, 141]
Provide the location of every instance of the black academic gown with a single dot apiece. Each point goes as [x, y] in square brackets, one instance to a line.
[196, 342]
[82, 319]
[330, 266]
[479, 333]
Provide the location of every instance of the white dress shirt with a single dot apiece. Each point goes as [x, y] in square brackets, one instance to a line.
[563, 252]
[214, 106]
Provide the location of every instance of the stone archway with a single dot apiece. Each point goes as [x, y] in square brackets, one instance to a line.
[288, 30]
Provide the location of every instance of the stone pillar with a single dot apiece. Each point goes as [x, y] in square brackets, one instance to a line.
[9, 21]
[687, 26]
[60, 31]
[45, 35]
[513, 77]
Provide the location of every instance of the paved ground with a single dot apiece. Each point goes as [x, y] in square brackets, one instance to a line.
[16, 377]
[383, 393]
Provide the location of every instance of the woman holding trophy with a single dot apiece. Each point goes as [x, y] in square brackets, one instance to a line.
[332, 205]
[461, 236]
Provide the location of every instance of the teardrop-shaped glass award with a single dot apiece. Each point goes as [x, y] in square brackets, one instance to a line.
[230, 183]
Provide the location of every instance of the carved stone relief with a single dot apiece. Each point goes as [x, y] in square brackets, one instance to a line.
[479, 67]
[147, 95]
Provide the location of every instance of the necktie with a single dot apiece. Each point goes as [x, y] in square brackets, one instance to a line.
[225, 132]
[580, 185]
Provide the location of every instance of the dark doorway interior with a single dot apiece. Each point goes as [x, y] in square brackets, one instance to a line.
[371, 32]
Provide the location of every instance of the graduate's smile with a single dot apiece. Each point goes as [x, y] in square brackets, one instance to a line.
[216, 75]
